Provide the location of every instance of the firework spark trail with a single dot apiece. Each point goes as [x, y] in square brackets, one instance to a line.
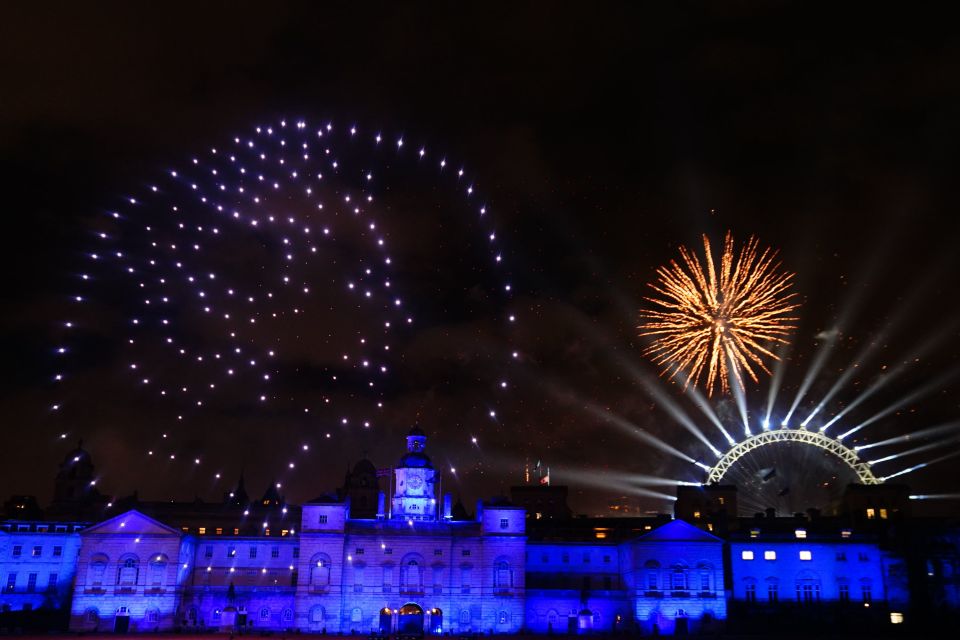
[715, 323]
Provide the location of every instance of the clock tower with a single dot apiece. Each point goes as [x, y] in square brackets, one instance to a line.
[413, 495]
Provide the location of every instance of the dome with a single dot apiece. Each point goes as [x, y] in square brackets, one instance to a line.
[415, 459]
[364, 468]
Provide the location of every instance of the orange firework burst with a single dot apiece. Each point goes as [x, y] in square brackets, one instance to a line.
[719, 325]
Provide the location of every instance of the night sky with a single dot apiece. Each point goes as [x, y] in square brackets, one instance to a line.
[601, 139]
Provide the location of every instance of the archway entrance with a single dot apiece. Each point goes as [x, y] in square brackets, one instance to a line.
[410, 620]
[584, 621]
[436, 621]
[386, 621]
[121, 623]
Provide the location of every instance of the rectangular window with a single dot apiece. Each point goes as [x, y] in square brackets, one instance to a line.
[746, 555]
[504, 523]
[438, 552]
[845, 533]
[651, 582]
[871, 514]
[37, 552]
[606, 559]
[252, 553]
[844, 593]
[466, 552]
[867, 592]
[773, 595]
[219, 531]
[17, 550]
[863, 557]
[323, 519]
[57, 552]
[806, 555]
[236, 532]
[388, 551]
[11, 581]
[31, 582]
[754, 533]
[800, 534]
[60, 528]
[296, 552]
[586, 557]
[751, 592]
[274, 552]
[841, 556]
[359, 551]
[565, 558]
[208, 551]
[231, 552]
[769, 555]
[202, 531]
[52, 582]
[883, 514]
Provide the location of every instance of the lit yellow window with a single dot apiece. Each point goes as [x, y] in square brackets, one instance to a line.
[236, 532]
[202, 531]
[883, 514]
[219, 531]
[871, 514]
[696, 515]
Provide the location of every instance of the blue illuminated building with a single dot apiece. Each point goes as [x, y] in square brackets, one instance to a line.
[407, 559]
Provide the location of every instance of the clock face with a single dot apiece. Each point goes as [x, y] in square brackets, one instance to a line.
[415, 482]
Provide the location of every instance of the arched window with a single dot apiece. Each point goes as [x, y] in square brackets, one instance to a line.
[158, 570]
[92, 615]
[773, 590]
[153, 616]
[412, 576]
[750, 589]
[808, 587]
[128, 571]
[464, 617]
[678, 577]
[503, 577]
[98, 567]
[356, 615]
[288, 615]
[319, 571]
[265, 613]
[503, 618]
[316, 614]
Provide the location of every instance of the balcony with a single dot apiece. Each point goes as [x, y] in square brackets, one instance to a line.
[125, 590]
[411, 590]
[154, 591]
[502, 591]
[320, 589]
[95, 591]
[653, 594]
